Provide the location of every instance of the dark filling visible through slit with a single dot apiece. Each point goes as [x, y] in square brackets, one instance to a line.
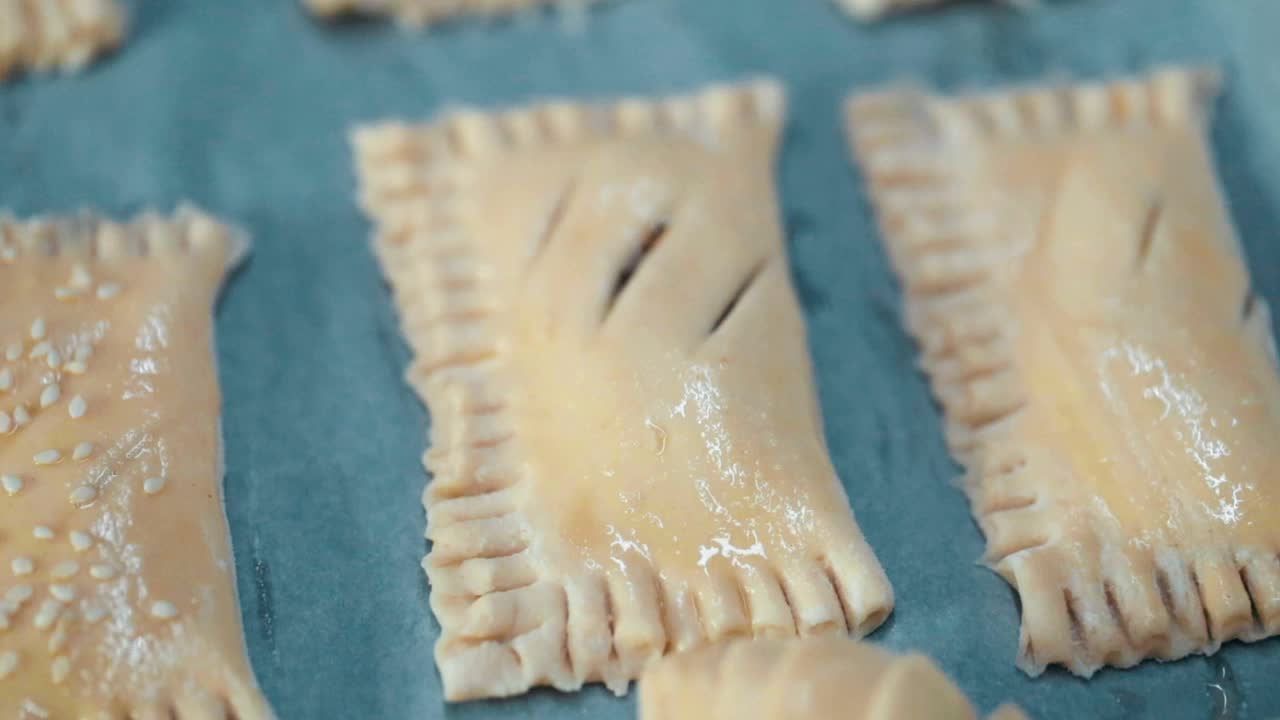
[738, 295]
[1148, 233]
[1249, 305]
[1166, 595]
[554, 219]
[648, 242]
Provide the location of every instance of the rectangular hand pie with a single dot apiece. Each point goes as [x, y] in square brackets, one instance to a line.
[118, 596]
[626, 445]
[1109, 379]
[820, 678]
[64, 34]
[418, 13]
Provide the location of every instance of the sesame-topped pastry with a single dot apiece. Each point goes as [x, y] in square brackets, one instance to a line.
[64, 34]
[116, 572]
[627, 447]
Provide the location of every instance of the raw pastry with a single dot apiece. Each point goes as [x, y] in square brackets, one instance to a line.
[63, 34]
[627, 449]
[805, 679]
[418, 13]
[872, 9]
[119, 592]
[1108, 377]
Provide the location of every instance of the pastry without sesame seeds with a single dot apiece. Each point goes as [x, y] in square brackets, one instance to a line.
[819, 678]
[131, 602]
[44, 35]
[1108, 377]
[626, 445]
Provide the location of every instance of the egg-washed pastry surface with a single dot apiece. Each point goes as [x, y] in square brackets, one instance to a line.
[626, 445]
[817, 678]
[1108, 377]
[118, 596]
[44, 35]
[418, 13]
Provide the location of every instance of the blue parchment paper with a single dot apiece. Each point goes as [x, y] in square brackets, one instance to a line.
[242, 106]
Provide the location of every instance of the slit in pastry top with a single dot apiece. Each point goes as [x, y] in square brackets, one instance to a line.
[1109, 379]
[118, 594]
[626, 446]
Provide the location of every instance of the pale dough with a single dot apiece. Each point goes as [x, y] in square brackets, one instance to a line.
[626, 444]
[63, 34]
[802, 679]
[118, 594]
[1109, 378]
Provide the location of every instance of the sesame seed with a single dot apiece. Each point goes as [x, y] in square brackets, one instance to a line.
[40, 348]
[77, 407]
[65, 293]
[38, 328]
[164, 610]
[13, 352]
[75, 367]
[46, 457]
[83, 495]
[40, 532]
[65, 593]
[106, 291]
[59, 669]
[82, 451]
[6, 379]
[153, 485]
[94, 613]
[80, 541]
[6, 423]
[50, 395]
[22, 566]
[8, 663]
[54, 358]
[80, 276]
[12, 484]
[59, 637]
[65, 569]
[83, 352]
[48, 614]
[19, 594]
[21, 416]
[102, 571]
